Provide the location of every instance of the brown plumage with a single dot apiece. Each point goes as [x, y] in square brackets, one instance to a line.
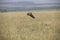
[31, 15]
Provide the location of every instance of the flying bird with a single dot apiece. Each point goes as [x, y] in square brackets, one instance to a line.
[31, 15]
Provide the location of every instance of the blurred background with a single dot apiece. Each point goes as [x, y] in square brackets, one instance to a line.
[20, 5]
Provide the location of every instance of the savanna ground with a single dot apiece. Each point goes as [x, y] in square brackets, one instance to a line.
[19, 26]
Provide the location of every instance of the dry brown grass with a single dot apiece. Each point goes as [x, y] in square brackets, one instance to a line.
[19, 26]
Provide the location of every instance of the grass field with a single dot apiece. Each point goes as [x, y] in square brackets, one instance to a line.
[19, 26]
